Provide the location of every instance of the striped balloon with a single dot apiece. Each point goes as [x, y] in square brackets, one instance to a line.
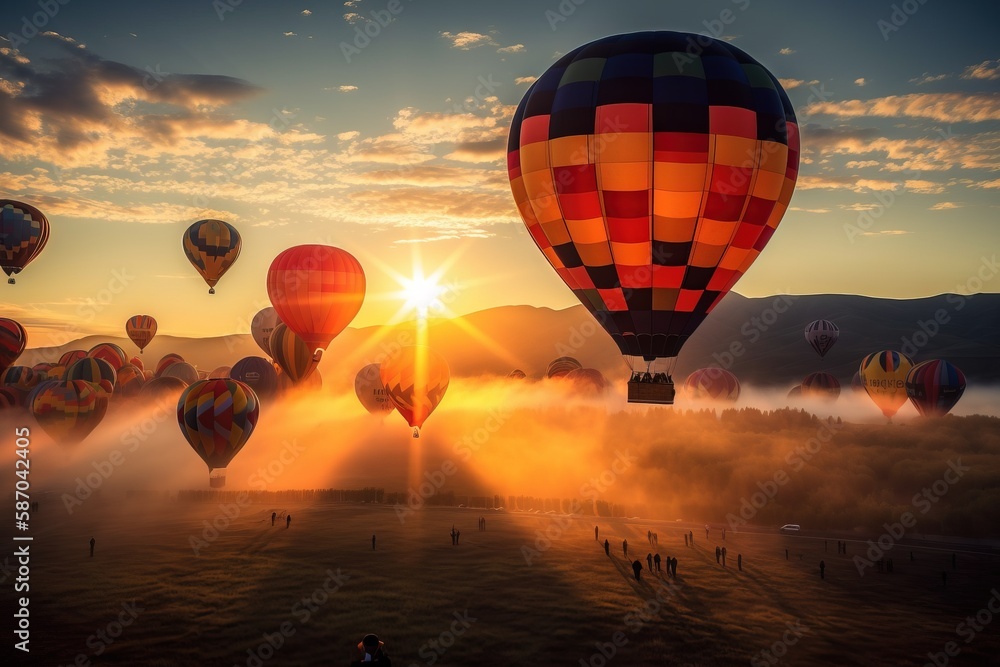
[884, 375]
[821, 385]
[70, 357]
[714, 384]
[20, 377]
[69, 411]
[212, 246]
[111, 353]
[24, 231]
[217, 417]
[935, 386]
[13, 338]
[561, 366]
[822, 334]
[166, 361]
[291, 353]
[129, 381]
[416, 379]
[140, 330]
[93, 370]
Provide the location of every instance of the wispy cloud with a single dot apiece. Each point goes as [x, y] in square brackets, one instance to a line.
[346, 89]
[513, 48]
[525, 80]
[942, 107]
[946, 206]
[468, 40]
[860, 82]
[288, 34]
[988, 69]
[886, 232]
[306, 12]
[928, 78]
[810, 210]
[789, 84]
[786, 51]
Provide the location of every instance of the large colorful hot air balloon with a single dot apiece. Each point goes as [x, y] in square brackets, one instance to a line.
[68, 411]
[561, 366]
[415, 378]
[934, 386]
[109, 352]
[258, 374]
[129, 381]
[651, 175]
[70, 357]
[884, 375]
[95, 370]
[291, 353]
[141, 329]
[212, 246]
[166, 361]
[24, 231]
[13, 338]
[217, 417]
[262, 326]
[371, 392]
[316, 290]
[712, 384]
[821, 385]
[20, 377]
[822, 334]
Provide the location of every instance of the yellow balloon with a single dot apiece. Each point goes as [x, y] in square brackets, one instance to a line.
[884, 377]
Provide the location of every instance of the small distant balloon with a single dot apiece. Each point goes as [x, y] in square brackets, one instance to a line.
[517, 374]
[935, 386]
[821, 385]
[140, 330]
[109, 352]
[182, 371]
[371, 392]
[821, 335]
[262, 326]
[212, 247]
[166, 362]
[13, 339]
[884, 375]
[713, 384]
[416, 379]
[561, 366]
[24, 231]
[258, 374]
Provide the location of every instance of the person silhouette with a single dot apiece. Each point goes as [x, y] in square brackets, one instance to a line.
[288, 520]
[458, 534]
[649, 562]
[822, 569]
[656, 562]
[637, 568]
[92, 543]
[625, 547]
[595, 534]
[371, 652]
[274, 515]
[739, 561]
[373, 543]
[607, 548]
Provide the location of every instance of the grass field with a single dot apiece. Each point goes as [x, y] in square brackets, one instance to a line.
[306, 594]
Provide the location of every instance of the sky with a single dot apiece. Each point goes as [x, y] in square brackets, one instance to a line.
[380, 127]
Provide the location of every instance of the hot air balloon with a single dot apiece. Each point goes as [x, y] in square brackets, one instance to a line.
[822, 334]
[261, 327]
[93, 370]
[857, 384]
[561, 366]
[415, 378]
[316, 290]
[162, 391]
[24, 231]
[650, 176]
[795, 392]
[821, 385]
[884, 375]
[934, 386]
[166, 362]
[68, 411]
[586, 381]
[713, 384]
[20, 377]
[212, 246]
[70, 357]
[291, 353]
[371, 392]
[217, 417]
[13, 338]
[13, 398]
[110, 353]
[258, 374]
[517, 374]
[137, 362]
[141, 329]
[129, 381]
[182, 371]
[221, 372]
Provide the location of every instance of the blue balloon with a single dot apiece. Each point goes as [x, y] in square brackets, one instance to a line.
[258, 373]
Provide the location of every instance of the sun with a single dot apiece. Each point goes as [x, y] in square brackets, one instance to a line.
[422, 293]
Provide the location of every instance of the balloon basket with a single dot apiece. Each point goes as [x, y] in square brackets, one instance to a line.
[217, 478]
[10, 281]
[661, 393]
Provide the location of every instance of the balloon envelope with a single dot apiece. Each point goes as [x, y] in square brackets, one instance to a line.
[212, 246]
[182, 371]
[109, 352]
[651, 184]
[166, 362]
[71, 356]
[370, 390]
[587, 381]
[13, 338]
[20, 377]
[416, 379]
[935, 386]
[821, 385]
[821, 335]
[94, 370]
[316, 290]
[68, 411]
[258, 374]
[24, 231]
[129, 381]
[291, 353]
[561, 366]
[140, 330]
[884, 375]
[714, 384]
[217, 417]
[262, 326]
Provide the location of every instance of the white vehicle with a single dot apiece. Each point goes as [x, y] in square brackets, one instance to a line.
[790, 528]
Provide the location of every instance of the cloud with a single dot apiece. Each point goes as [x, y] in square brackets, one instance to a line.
[988, 69]
[860, 82]
[886, 232]
[786, 51]
[288, 34]
[989, 185]
[809, 210]
[306, 12]
[346, 89]
[852, 183]
[513, 48]
[348, 136]
[468, 40]
[945, 206]
[352, 3]
[928, 78]
[862, 164]
[789, 84]
[525, 80]
[942, 107]
[924, 187]
[479, 151]
[353, 17]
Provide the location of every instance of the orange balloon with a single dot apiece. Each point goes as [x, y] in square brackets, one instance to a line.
[415, 379]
